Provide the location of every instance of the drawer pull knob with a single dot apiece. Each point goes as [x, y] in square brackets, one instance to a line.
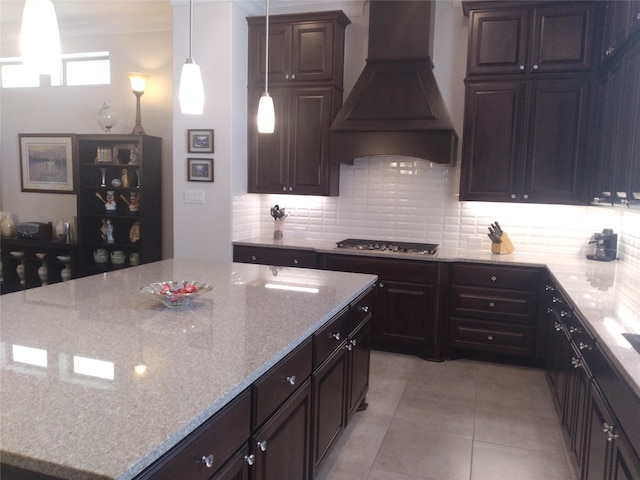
[564, 314]
[336, 336]
[575, 362]
[493, 278]
[585, 346]
[489, 337]
[349, 346]
[549, 288]
[262, 446]
[363, 308]
[353, 342]
[254, 258]
[295, 261]
[250, 459]
[557, 326]
[556, 300]
[575, 330]
[492, 304]
[208, 461]
[291, 380]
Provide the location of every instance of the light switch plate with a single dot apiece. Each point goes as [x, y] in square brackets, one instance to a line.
[194, 196]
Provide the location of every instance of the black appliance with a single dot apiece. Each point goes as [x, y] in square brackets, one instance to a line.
[606, 246]
[388, 246]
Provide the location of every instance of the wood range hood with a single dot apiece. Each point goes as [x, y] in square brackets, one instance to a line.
[395, 107]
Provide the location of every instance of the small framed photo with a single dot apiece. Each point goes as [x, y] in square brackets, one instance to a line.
[200, 169]
[200, 141]
[46, 163]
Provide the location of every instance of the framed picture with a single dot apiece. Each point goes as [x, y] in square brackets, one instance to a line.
[200, 141]
[200, 169]
[46, 163]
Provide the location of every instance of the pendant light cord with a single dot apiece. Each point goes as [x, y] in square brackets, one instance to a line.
[266, 56]
[191, 30]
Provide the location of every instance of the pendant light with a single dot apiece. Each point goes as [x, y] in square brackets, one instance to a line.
[191, 93]
[40, 37]
[266, 111]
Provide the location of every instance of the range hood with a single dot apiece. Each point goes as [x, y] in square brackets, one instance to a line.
[395, 107]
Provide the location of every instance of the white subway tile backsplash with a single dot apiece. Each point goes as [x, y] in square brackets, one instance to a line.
[405, 199]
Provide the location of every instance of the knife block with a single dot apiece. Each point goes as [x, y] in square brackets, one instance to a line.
[504, 247]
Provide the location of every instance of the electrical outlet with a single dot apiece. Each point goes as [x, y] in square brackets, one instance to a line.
[194, 196]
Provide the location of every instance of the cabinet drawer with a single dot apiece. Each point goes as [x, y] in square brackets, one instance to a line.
[491, 337]
[362, 308]
[330, 337]
[216, 440]
[416, 271]
[283, 257]
[493, 304]
[509, 278]
[275, 386]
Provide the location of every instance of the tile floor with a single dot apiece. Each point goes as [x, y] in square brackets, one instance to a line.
[456, 420]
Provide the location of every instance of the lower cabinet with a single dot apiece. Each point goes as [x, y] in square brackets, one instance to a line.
[238, 466]
[406, 308]
[281, 447]
[283, 257]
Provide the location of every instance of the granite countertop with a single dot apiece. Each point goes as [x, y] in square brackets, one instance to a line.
[606, 294]
[57, 418]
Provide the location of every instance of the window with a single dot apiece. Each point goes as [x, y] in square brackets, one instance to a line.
[93, 68]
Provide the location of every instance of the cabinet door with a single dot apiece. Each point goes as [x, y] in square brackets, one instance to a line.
[597, 456]
[625, 464]
[312, 51]
[574, 413]
[498, 41]
[310, 118]
[557, 134]
[493, 132]
[359, 361]
[329, 404]
[237, 468]
[282, 444]
[279, 52]
[269, 152]
[404, 313]
[610, 101]
[562, 38]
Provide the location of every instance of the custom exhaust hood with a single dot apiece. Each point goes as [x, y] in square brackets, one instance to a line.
[395, 107]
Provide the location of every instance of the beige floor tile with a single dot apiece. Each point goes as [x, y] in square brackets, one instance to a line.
[410, 450]
[493, 462]
[382, 475]
[450, 417]
[441, 388]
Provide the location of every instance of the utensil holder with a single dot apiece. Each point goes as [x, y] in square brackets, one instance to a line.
[505, 246]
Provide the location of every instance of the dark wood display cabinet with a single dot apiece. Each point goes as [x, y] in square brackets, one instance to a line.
[31, 262]
[494, 309]
[125, 170]
[528, 103]
[306, 64]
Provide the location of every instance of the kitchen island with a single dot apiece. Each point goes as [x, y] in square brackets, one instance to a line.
[99, 381]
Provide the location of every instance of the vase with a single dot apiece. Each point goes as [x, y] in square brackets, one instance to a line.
[7, 225]
[278, 226]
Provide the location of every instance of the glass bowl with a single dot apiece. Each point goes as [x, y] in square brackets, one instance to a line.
[176, 294]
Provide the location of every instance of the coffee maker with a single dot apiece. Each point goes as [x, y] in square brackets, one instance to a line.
[606, 246]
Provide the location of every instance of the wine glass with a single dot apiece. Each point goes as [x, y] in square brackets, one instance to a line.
[106, 117]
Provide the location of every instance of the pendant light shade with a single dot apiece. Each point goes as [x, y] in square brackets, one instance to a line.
[266, 111]
[40, 37]
[191, 93]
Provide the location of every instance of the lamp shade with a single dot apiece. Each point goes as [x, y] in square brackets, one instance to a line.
[40, 37]
[191, 92]
[138, 81]
[266, 114]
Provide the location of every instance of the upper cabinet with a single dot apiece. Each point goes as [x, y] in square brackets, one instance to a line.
[528, 101]
[306, 63]
[529, 39]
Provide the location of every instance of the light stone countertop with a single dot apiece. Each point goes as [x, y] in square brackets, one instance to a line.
[606, 294]
[57, 420]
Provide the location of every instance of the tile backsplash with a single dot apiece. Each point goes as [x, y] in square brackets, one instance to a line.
[407, 199]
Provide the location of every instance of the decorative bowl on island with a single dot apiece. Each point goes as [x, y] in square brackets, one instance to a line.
[176, 294]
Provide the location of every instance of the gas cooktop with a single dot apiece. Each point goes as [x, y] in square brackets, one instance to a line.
[388, 246]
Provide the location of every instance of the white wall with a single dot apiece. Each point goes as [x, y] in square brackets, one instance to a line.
[65, 109]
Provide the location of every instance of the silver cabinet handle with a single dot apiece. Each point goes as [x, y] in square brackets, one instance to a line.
[564, 314]
[493, 278]
[208, 461]
[286, 76]
[254, 258]
[262, 446]
[250, 459]
[492, 304]
[575, 330]
[295, 261]
[291, 380]
[576, 362]
[363, 308]
[381, 285]
[585, 346]
[513, 195]
[291, 189]
[557, 326]
[522, 67]
[284, 189]
[549, 288]
[526, 196]
[536, 67]
[489, 337]
[336, 336]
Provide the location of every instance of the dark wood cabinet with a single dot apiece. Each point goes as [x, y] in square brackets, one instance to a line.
[306, 65]
[284, 257]
[529, 38]
[124, 172]
[30, 262]
[237, 468]
[618, 146]
[525, 140]
[407, 306]
[494, 309]
[618, 25]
